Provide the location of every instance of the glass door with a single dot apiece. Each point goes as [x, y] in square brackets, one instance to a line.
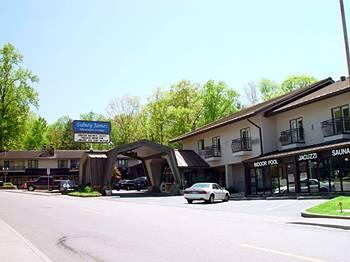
[252, 181]
[216, 146]
[290, 171]
[341, 118]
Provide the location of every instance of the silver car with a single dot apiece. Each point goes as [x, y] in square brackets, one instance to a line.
[209, 192]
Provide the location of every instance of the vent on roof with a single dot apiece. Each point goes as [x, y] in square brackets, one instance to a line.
[343, 78]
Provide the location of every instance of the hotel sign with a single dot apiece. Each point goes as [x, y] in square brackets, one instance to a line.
[308, 156]
[91, 131]
[270, 162]
[341, 151]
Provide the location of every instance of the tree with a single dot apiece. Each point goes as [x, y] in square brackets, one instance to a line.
[124, 113]
[37, 135]
[17, 95]
[269, 89]
[296, 81]
[218, 101]
[251, 93]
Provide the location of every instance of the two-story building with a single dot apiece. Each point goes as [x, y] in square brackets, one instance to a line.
[20, 166]
[298, 142]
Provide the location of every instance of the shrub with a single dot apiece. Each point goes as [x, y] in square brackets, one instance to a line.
[8, 184]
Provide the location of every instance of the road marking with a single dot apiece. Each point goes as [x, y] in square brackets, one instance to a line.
[96, 212]
[281, 253]
[35, 250]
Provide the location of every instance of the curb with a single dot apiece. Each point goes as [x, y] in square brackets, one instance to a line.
[311, 215]
[32, 193]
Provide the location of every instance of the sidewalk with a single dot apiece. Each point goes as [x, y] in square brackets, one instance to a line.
[15, 248]
[36, 192]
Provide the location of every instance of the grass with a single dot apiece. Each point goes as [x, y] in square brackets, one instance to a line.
[332, 207]
[85, 191]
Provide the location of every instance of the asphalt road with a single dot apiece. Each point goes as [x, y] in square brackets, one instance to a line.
[168, 229]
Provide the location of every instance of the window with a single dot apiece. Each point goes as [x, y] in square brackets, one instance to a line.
[200, 145]
[33, 164]
[216, 143]
[15, 164]
[245, 138]
[341, 119]
[74, 164]
[122, 162]
[62, 163]
[296, 130]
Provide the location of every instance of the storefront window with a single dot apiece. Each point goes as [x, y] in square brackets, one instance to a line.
[303, 177]
[276, 176]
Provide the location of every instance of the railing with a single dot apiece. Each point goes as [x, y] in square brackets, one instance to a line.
[211, 151]
[241, 144]
[336, 126]
[292, 136]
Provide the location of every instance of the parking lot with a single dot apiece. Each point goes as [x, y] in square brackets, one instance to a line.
[169, 229]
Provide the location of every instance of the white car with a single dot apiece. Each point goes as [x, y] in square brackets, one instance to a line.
[209, 192]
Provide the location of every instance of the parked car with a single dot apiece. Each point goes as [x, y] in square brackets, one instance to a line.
[209, 192]
[126, 184]
[141, 182]
[66, 184]
[42, 182]
[304, 186]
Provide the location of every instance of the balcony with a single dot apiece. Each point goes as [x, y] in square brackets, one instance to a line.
[211, 153]
[292, 138]
[334, 129]
[241, 146]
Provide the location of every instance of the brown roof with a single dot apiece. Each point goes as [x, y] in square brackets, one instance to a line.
[334, 89]
[253, 110]
[35, 155]
[189, 158]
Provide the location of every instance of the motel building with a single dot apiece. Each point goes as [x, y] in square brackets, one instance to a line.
[19, 167]
[295, 143]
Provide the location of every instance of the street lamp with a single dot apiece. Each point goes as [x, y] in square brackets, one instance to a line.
[5, 170]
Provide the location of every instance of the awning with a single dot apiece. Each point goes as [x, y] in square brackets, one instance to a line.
[302, 151]
[189, 159]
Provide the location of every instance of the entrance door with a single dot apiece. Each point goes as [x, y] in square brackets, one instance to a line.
[252, 181]
[290, 171]
[260, 180]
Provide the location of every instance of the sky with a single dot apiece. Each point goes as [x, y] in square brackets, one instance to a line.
[85, 53]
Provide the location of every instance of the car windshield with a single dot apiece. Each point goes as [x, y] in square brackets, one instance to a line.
[201, 185]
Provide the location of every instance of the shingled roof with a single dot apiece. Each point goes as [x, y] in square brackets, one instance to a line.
[36, 155]
[261, 107]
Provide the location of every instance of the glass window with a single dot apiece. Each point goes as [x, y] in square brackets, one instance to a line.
[74, 164]
[33, 164]
[296, 130]
[245, 138]
[62, 163]
[200, 145]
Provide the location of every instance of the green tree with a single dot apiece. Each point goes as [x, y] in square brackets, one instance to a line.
[37, 135]
[218, 101]
[270, 89]
[296, 81]
[17, 95]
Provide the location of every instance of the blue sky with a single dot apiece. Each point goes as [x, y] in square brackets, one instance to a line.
[87, 52]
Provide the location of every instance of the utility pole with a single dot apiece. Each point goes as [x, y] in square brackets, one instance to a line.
[346, 41]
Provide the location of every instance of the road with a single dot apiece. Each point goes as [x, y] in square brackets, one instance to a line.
[168, 229]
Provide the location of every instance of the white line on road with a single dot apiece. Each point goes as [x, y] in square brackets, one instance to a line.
[35, 250]
[281, 253]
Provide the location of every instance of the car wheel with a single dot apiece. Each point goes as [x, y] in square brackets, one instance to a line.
[118, 189]
[189, 201]
[226, 198]
[31, 188]
[138, 189]
[211, 199]
[323, 189]
[127, 188]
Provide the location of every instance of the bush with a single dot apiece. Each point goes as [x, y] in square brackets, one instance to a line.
[8, 184]
[85, 191]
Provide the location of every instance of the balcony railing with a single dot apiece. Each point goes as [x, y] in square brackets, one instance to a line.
[292, 136]
[241, 144]
[336, 126]
[211, 151]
